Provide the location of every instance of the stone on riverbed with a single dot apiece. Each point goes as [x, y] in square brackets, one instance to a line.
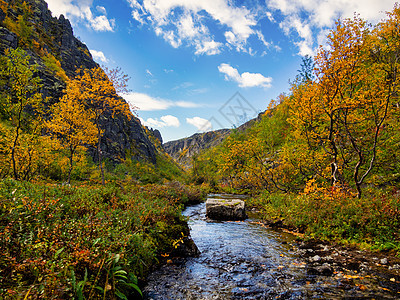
[226, 209]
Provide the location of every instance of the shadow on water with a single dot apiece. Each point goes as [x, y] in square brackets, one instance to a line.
[242, 260]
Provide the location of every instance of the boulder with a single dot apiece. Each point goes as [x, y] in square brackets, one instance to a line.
[226, 209]
[186, 249]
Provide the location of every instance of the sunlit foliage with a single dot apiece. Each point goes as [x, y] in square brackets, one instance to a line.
[21, 108]
[98, 92]
[339, 125]
[71, 124]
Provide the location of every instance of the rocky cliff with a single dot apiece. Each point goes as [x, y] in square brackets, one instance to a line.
[183, 150]
[51, 44]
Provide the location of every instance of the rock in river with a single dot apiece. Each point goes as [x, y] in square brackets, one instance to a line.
[225, 209]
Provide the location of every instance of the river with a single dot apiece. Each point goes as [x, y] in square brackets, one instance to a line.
[245, 260]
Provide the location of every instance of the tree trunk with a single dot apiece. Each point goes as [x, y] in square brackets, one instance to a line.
[103, 182]
[13, 153]
[71, 161]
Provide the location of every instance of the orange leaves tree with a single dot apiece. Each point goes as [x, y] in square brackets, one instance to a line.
[71, 124]
[344, 110]
[98, 92]
[21, 107]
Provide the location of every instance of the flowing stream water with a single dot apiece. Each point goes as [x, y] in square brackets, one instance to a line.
[242, 260]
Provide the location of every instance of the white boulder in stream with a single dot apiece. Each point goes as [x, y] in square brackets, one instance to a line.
[225, 209]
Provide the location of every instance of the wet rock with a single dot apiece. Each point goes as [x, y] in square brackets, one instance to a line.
[364, 266]
[353, 265]
[225, 209]
[303, 245]
[384, 261]
[394, 267]
[316, 258]
[187, 249]
[324, 270]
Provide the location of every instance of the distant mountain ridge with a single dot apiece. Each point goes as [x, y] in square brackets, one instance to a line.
[183, 150]
[51, 44]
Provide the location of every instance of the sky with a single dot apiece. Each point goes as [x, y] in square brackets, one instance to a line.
[200, 65]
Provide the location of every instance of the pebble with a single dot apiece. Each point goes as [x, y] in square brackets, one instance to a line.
[384, 261]
[316, 258]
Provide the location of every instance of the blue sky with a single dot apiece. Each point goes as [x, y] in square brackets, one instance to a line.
[199, 65]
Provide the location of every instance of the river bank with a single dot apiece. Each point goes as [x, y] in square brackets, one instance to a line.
[87, 241]
[247, 260]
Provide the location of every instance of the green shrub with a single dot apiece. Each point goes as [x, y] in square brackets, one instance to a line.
[61, 241]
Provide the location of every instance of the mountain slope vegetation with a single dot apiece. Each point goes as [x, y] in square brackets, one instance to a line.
[325, 158]
[89, 200]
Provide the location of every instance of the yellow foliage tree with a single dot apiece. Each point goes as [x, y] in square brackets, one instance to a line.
[344, 109]
[21, 105]
[99, 94]
[71, 124]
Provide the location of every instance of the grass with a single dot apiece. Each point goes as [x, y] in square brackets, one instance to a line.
[372, 222]
[88, 241]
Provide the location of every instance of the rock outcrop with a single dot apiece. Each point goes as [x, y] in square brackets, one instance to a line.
[183, 150]
[55, 36]
[226, 209]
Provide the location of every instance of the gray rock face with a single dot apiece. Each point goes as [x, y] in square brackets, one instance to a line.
[157, 134]
[8, 39]
[55, 35]
[182, 150]
[226, 209]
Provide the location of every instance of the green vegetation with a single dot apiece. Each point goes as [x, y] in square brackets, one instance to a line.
[86, 241]
[325, 158]
[372, 222]
[98, 236]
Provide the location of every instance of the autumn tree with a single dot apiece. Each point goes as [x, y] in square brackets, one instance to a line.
[99, 93]
[71, 124]
[344, 109]
[21, 106]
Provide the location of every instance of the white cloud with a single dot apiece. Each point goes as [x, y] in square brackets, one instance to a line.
[186, 104]
[99, 56]
[310, 19]
[262, 39]
[164, 121]
[101, 23]
[185, 21]
[148, 103]
[245, 79]
[101, 9]
[208, 47]
[65, 7]
[171, 121]
[81, 10]
[200, 123]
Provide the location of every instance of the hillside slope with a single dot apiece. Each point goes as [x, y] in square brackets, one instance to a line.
[50, 43]
[183, 150]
